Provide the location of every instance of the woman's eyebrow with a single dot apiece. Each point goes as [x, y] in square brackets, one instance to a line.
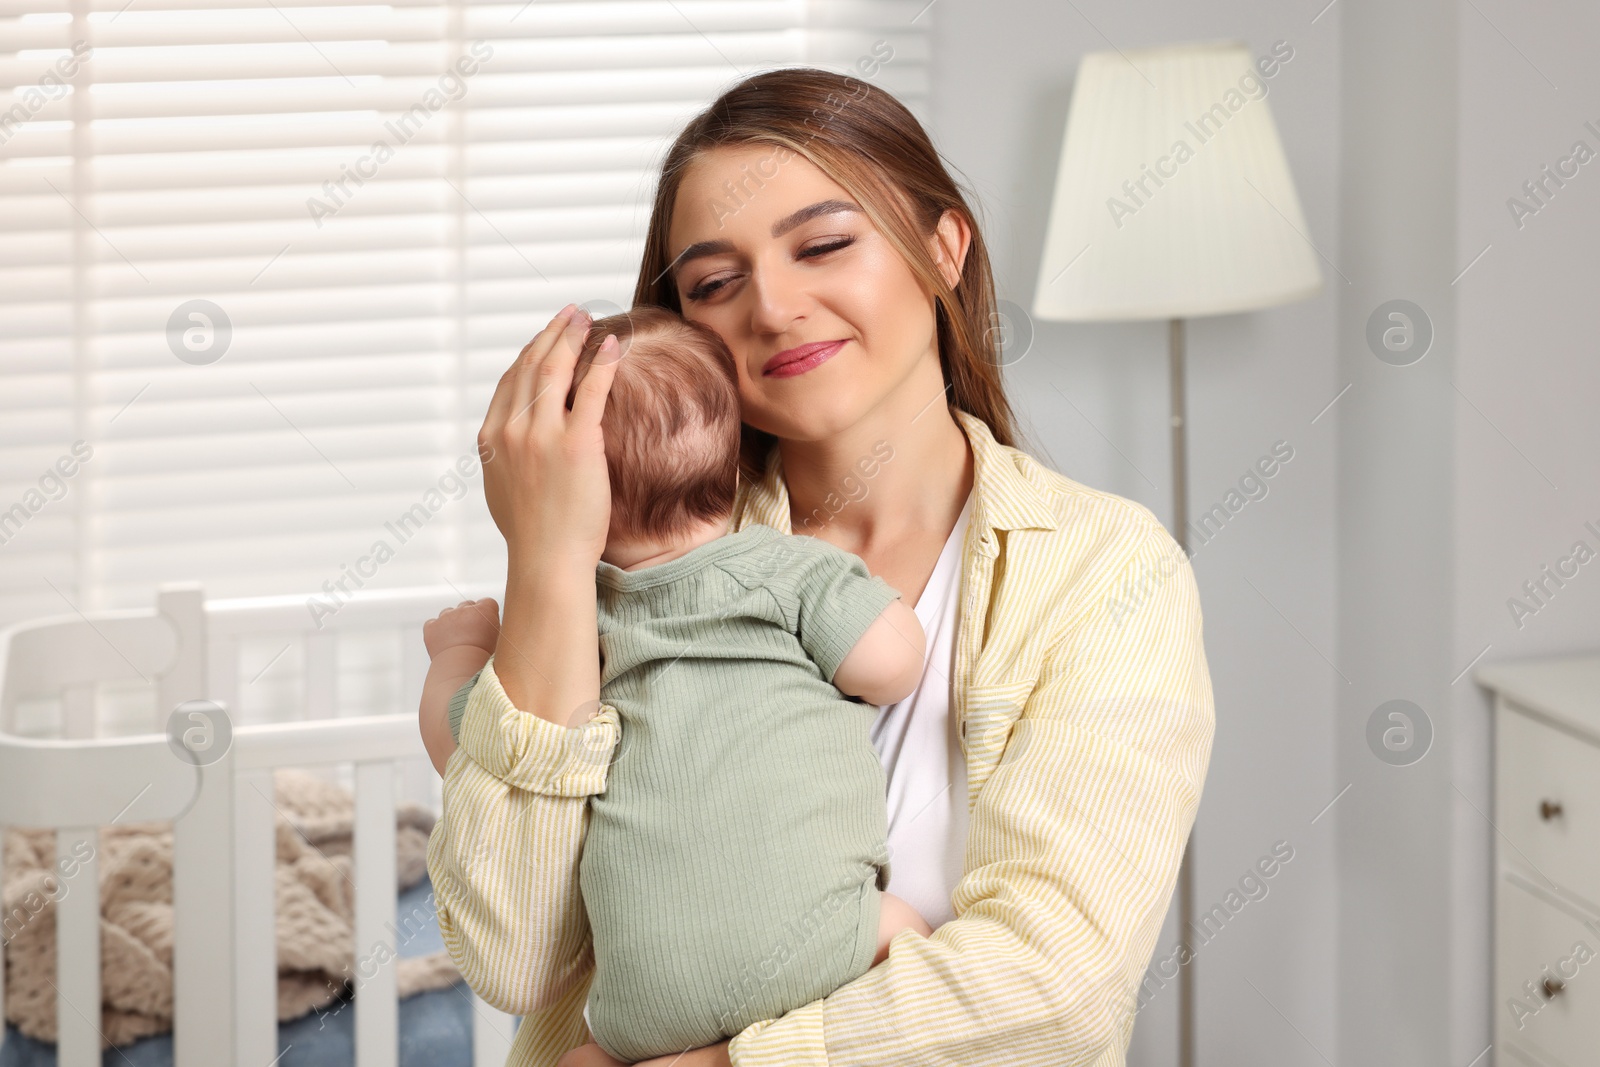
[821, 207]
[700, 249]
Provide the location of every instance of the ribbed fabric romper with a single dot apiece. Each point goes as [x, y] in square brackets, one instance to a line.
[734, 862]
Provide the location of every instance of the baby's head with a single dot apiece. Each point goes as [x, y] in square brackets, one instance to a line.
[671, 424]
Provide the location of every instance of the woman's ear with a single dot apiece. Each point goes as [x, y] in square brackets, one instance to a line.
[951, 239]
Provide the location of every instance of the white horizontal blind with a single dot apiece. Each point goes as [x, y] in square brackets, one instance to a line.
[379, 204]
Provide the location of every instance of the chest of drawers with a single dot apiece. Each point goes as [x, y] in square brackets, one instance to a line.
[1547, 860]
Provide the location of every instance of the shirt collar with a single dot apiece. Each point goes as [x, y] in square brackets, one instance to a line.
[1007, 497]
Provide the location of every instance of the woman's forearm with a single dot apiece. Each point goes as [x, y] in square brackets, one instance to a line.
[548, 659]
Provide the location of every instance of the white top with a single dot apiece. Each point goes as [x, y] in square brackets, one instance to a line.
[921, 752]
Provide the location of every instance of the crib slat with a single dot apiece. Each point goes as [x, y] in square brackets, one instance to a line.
[255, 942]
[222, 675]
[322, 675]
[203, 926]
[182, 605]
[377, 1010]
[202, 842]
[78, 950]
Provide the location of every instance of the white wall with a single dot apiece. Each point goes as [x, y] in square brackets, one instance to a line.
[1003, 78]
[1395, 530]
[1527, 436]
[1382, 562]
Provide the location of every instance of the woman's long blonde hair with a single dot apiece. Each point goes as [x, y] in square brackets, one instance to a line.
[865, 140]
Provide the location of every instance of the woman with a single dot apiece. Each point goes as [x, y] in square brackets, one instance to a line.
[1041, 794]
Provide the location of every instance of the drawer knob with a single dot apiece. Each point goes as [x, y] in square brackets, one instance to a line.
[1549, 809]
[1552, 986]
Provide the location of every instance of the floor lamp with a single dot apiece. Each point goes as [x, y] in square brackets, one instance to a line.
[1173, 199]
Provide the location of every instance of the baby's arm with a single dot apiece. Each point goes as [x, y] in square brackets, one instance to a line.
[459, 641]
[883, 667]
[894, 915]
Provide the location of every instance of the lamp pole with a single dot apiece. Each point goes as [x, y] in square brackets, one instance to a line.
[1180, 532]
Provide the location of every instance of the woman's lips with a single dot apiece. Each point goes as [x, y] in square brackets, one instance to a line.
[786, 365]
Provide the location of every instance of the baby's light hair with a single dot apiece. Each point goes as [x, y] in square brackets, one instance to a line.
[671, 422]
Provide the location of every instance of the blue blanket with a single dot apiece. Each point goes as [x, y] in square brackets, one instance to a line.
[435, 1027]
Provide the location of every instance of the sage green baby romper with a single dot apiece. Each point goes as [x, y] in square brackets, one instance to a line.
[734, 863]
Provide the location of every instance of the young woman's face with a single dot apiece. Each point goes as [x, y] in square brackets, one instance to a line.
[791, 263]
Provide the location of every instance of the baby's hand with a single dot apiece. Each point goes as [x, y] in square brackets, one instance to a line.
[471, 622]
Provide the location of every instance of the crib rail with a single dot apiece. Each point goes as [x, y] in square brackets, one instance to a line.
[224, 952]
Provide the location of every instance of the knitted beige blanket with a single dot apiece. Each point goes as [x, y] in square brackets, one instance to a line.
[315, 912]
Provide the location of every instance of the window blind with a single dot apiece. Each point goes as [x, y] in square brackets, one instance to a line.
[262, 263]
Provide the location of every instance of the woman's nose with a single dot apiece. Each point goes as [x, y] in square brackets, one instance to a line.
[776, 305]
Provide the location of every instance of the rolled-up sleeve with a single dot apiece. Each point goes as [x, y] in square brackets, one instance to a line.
[503, 859]
[1073, 850]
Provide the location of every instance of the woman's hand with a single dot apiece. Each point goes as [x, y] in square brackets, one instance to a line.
[544, 467]
[545, 480]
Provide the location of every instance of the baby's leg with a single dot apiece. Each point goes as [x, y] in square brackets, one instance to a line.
[895, 915]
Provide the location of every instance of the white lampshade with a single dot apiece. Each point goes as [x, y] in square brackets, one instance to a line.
[1208, 221]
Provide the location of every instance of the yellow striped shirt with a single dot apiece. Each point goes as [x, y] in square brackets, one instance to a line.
[1086, 718]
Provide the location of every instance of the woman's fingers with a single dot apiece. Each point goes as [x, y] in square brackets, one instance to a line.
[553, 376]
[526, 374]
[589, 399]
[504, 402]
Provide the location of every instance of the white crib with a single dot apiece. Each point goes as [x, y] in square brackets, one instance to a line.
[224, 960]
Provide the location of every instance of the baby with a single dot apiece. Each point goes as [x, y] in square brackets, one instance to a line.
[735, 865]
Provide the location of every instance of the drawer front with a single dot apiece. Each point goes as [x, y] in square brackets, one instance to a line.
[1536, 941]
[1547, 804]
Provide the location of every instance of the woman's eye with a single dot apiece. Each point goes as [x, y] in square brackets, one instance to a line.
[705, 289]
[817, 250]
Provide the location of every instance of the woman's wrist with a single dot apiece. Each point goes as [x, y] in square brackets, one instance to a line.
[548, 658]
[560, 562]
